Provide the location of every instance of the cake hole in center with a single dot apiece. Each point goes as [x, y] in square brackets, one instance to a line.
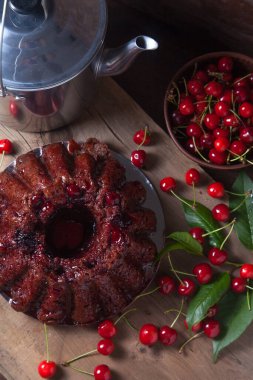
[69, 232]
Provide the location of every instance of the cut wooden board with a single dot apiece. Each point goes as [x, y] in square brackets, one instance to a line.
[113, 119]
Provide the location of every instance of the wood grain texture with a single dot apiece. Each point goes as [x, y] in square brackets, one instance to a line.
[114, 118]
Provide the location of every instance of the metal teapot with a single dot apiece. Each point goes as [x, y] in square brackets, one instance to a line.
[51, 55]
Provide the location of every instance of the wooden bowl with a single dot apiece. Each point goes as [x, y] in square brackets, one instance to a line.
[244, 62]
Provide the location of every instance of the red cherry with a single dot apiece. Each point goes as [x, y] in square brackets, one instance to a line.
[140, 139]
[167, 335]
[212, 311]
[178, 118]
[194, 86]
[214, 88]
[13, 107]
[105, 346]
[211, 120]
[107, 329]
[47, 369]
[231, 121]
[167, 285]
[246, 135]
[112, 198]
[200, 97]
[219, 132]
[203, 272]
[225, 64]
[202, 76]
[186, 288]
[73, 190]
[237, 148]
[148, 334]
[226, 96]
[192, 176]
[216, 190]
[241, 94]
[197, 233]
[200, 106]
[186, 106]
[217, 256]
[167, 184]
[211, 328]
[246, 271]
[221, 109]
[195, 328]
[190, 145]
[221, 212]
[211, 68]
[5, 146]
[218, 158]
[238, 285]
[241, 82]
[138, 158]
[221, 144]
[102, 372]
[193, 130]
[245, 110]
[206, 141]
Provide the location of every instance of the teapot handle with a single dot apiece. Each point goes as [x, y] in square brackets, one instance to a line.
[2, 88]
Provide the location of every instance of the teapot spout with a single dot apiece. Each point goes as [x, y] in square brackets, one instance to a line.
[116, 61]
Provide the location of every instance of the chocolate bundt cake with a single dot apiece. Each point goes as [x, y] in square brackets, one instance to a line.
[74, 239]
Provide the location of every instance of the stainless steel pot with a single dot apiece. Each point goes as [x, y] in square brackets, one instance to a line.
[51, 55]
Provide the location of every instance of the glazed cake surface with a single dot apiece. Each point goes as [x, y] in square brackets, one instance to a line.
[75, 243]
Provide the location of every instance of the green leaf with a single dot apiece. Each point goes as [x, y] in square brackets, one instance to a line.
[235, 317]
[181, 241]
[207, 296]
[201, 216]
[244, 214]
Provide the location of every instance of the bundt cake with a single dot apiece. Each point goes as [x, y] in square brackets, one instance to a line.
[74, 239]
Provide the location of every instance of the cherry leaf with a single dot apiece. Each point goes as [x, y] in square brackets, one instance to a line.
[201, 216]
[207, 296]
[244, 213]
[181, 241]
[235, 317]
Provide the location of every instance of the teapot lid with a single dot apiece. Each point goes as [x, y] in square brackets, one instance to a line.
[48, 42]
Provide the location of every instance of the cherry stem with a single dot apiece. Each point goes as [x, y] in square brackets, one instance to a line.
[46, 340]
[178, 314]
[174, 310]
[236, 115]
[180, 199]
[144, 138]
[194, 194]
[248, 298]
[238, 157]
[236, 194]
[130, 324]
[249, 287]
[177, 90]
[240, 204]
[124, 315]
[189, 340]
[197, 150]
[147, 294]
[246, 76]
[237, 265]
[81, 371]
[229, 233]
[219, 229]
[209, 103]
[173, 270]
[249, 162]
[67, 363]
[2, 158]
[184, 273]
[185, 85]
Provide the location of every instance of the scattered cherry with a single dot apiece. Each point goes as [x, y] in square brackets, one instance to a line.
[105, 346]
[47, 369]
[186, 288]
[221, 212]
[217, 256]
[107, 329]
[192, 176]
[211, 328]
[167, 285]
[102, 372]
[167, 184]
[246, 271]
[148, 334]
[216, 190]
[238, 284]
[167, 335]
[196, 327]
[138, 158]
[197, 233]
[6, 146]
[140, 138]
[203, 273]
[212, 311]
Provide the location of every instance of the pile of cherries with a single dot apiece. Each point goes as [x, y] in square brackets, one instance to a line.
[212, 113]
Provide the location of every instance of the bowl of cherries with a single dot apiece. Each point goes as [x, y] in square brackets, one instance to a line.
[208, 109]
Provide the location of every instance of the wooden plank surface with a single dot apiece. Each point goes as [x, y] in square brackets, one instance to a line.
[113, 119]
